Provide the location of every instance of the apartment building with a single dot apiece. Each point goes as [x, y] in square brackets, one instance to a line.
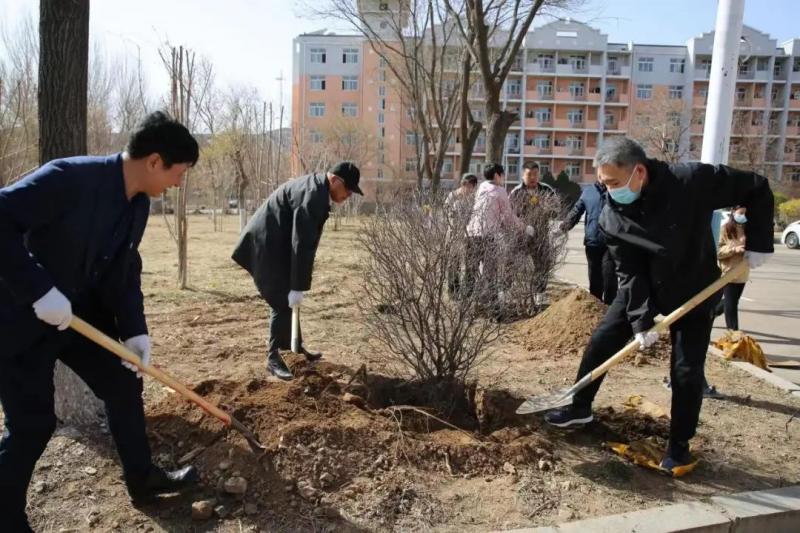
[571, 88]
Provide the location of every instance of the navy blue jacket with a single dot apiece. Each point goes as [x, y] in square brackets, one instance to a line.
[53, 226]
[591, 202]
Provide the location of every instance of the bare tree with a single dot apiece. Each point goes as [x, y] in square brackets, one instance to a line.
[662, 128]
[418, 42]
[412, 247]
[494, 33]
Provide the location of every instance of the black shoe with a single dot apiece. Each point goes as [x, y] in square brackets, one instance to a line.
[311, 357]
[710, 391]
[277, 367]
[159, 481]
[677, 455]
[570, 415]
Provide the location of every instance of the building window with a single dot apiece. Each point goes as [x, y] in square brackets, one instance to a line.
[645, 64]
[380, 173]
[609, 121]
[383, 103]
[381, 118]
[677, 65]
[578, 62]
[741, 94]
[349, 110]
[382, 91]
[514, 88]
[447, 167]
[318, 55]
[575, 143]
[381, 75]
[411, 138]
[575, 117]
[513, 168]
[573, 170]
[383, 133]
[316, 109]
[778, 70]
[796, 65]
[317, 83]
[541, 141]
[349, 83]
[644, 91]
[545, 61]
[544, 168]
[411, 164]
[544, 89]
[350, 55]
[382, 62]
[576, 89]
[702, 92]
[543, 115]
[316, 137]
[613, 66]
[384, 6]
[676, 92]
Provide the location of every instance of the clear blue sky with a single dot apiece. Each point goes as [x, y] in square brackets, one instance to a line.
[249, 41]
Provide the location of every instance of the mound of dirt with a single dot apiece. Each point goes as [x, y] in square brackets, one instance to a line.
[564, 328]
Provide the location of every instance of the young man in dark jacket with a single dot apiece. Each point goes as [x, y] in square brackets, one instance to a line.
[69, 238]
[279, 245]
[602, 274]
[656, 224]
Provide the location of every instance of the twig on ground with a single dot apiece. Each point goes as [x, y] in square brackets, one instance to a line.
[393, 408]
[790, 419]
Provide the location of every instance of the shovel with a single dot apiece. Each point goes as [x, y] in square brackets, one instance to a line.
[536, 404]
[296, 329]
[97, 336]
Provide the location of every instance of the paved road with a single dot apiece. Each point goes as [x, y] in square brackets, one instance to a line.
[769, 309]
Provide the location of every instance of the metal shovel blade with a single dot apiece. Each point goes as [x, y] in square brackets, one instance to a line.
[252, 440]
[554, 400]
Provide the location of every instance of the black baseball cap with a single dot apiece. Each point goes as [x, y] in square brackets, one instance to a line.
[349, 174]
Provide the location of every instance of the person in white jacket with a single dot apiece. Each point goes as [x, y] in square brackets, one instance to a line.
[492, 219]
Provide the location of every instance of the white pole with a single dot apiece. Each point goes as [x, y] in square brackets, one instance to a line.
[722, 84]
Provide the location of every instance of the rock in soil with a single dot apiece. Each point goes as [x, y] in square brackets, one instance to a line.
[222, 511]
[202, 510]
[236, 485]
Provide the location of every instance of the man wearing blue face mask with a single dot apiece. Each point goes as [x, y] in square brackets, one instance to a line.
[656, 227]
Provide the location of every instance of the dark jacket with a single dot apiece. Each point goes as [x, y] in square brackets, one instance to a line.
[523, 199]
[53, 225]
[662, 243]
[280, 242]
[591, 202]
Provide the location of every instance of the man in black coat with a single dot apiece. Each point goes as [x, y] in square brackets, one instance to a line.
[524, 199]
[656, 224]
[602, 274]
[280, 242]
[69, 239]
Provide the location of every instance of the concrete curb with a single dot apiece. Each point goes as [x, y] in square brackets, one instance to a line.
[769, 377]
[773, 511]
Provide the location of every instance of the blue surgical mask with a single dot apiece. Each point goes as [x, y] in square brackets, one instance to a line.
[739, 218]
[624, 195]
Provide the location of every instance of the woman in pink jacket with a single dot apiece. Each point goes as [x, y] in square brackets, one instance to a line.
[492, 219]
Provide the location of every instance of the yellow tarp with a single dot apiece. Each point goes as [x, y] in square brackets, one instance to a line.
[645, 406]
[737, 345]
[647, 454]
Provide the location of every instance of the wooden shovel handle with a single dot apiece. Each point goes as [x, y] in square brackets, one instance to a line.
[671, 318]
[97, 336]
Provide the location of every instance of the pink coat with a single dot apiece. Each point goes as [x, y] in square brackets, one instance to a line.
[492, 213]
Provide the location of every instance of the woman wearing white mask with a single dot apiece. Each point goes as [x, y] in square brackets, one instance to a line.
[731, 253]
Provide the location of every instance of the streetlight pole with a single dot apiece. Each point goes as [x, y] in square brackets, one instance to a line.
[722, 83]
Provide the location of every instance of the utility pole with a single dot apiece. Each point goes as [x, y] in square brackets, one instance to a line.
[722, 83]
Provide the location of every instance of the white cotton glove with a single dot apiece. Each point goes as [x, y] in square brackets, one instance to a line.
[53, 308]
[646, 339]
[756, 259]
[529, 231]
[295, 298]
[140, 345]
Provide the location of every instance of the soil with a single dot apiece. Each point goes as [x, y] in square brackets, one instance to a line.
[355, 451]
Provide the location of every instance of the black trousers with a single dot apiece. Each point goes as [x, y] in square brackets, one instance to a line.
[280, 322]
[690, 337]
[486, 251]
[730, 303]
[602, 274]
[26, 395]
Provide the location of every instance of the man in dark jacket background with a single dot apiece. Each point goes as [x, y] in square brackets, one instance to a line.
[525, 197]
[279, 244]
[656, 224]
[602, 274]
[69, 238]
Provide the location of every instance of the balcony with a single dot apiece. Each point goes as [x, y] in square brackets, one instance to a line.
[567, 96]
[623, 71]
[596, 70]
[536, 95]
[513, 94]
[593, 97]
[537, 150]
[700, 101]
[794, 103]
[538, 68]
[567, 70]
[743, 102]
[697, 128]
[702, 73]
[610, 125]
[759, 102]
[590, 151]
[565, 123]
[793, 131]
[745, 75]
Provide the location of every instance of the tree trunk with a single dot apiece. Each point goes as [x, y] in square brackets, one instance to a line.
[63, 84]
[497, 123]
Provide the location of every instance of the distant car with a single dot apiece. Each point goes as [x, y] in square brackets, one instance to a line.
[791, 235]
